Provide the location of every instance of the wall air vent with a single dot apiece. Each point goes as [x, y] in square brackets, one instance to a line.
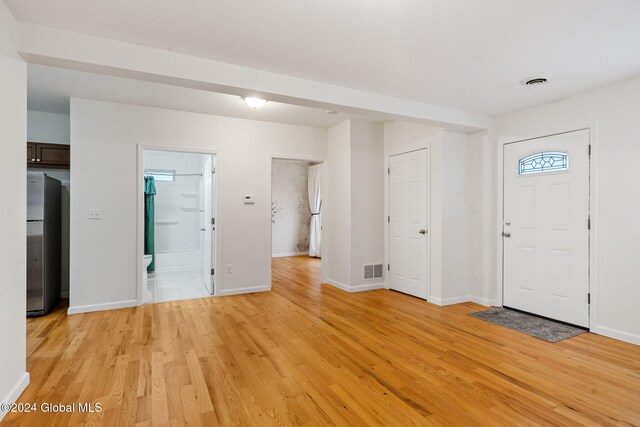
[373, 271]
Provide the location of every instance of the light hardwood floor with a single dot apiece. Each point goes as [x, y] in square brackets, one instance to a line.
[312, 354]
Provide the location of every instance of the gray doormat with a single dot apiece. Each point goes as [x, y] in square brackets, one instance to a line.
[535, 326]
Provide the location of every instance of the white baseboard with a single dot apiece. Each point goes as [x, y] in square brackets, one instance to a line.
[338, 285]
[616, 334]
[290, 254]
[367, 287]
[449, 301]
[238, 291]
[15, 392]
[357, 288]
[463, 298]
[100, 307]
[484, 301]
[176, 269]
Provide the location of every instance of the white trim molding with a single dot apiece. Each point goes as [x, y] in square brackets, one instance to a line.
[616, 334]
[357, 288]
[101, 307]
[141, 148]
[593, 208]
[290, 254]
[15, 391]
[487, 302]
[239, 291]
[442, 302]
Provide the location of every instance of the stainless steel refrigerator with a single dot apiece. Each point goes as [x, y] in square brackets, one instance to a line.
[43, 243]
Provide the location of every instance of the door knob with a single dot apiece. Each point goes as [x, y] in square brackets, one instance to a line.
[423, 231]
[506, 234]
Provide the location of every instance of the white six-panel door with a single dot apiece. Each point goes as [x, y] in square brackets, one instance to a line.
[546, 235]
[408, 223]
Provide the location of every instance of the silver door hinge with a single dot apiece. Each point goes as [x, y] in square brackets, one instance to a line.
[213, 170]
[589, 223]
[589, 298]
[389, 219]
[388, 267]
[388, 171]
[213, 271]
[213, 221]
[589, 149]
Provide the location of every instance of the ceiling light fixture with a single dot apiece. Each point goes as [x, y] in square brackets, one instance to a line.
[255, 103]
[535, 81]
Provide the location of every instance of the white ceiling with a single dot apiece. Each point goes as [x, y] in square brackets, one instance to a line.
[49, 89]
[466, 54]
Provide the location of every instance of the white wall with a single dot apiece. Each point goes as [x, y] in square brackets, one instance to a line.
[291, 215]
[367, 199]
[353, 218]
[13, 132]
[482, 218]
[336, 207]
[178, 220]
[48, 127]
[616, 111]
[455, 208]
[104, 163]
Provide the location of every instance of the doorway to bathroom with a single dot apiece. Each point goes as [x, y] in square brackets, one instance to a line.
[296, 221]
[179, 225]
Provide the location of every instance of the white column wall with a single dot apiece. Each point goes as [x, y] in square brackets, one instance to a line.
[13, 134]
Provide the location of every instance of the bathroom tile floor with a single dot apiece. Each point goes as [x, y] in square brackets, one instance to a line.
[173, 286]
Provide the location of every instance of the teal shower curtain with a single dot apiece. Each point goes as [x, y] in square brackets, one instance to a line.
[149, 214]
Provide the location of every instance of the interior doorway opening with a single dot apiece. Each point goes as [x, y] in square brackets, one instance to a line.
[296, 216]
[179, 225]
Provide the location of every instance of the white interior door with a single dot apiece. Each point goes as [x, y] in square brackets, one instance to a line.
[408, 223]
[546, 226]
[208, 225]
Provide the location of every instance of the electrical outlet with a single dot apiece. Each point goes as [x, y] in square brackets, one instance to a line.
[94, 214]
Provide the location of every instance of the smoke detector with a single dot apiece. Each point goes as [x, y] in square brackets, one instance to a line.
[534, 82]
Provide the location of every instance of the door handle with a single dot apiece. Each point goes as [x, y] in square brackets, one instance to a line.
[203, 229]
[423, 231]
[506, 234]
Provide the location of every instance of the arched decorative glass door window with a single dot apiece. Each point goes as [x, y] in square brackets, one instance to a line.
[546, 161]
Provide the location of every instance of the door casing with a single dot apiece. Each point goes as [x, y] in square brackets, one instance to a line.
[427, 147]
[593, 208]
[217, 261]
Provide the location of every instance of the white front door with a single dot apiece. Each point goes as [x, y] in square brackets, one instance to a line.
[208, 226]
[546, 226]
[408, 223]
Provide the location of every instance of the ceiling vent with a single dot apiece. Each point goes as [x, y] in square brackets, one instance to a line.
[534, 82]
[373, 271]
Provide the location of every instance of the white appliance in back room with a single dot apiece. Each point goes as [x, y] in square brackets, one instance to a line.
[43, 243]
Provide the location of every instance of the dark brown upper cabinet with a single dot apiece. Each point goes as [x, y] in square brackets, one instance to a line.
[40, 155]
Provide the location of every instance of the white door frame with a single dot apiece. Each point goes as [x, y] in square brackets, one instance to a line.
[593, 208]
[273, 157]
[140, 211]
[387, 228]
